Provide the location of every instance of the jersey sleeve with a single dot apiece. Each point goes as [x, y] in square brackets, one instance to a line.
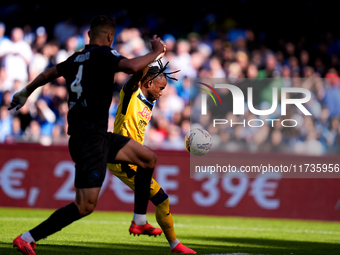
[114, 57]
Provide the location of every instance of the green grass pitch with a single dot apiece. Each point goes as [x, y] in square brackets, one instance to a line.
[107, 233]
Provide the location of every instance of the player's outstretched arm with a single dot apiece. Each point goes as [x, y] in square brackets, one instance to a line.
[135, 80]
[137, 64]
[20, 97]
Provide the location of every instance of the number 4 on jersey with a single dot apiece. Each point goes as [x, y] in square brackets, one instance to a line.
[76, 84]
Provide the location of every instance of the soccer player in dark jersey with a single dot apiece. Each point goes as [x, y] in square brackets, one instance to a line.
[89, 77]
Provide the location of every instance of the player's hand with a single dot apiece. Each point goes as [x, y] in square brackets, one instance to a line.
[157, 45]
[19, 99]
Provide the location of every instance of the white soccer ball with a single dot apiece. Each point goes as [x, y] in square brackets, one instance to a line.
[198, 141]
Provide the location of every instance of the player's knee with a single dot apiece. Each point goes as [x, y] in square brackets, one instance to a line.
[86, 208]
[150, 160]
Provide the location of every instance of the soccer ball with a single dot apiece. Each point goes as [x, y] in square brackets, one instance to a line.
[198, 141]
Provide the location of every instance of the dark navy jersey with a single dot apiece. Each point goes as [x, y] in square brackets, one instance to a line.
[89, 77]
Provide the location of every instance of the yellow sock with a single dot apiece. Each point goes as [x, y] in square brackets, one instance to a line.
[164, 219]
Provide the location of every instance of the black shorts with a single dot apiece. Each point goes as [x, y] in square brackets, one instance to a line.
[90, 153]
[116, 142]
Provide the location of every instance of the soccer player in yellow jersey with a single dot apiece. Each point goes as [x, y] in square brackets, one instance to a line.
[137, 99]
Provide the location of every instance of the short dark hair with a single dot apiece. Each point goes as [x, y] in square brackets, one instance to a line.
[101, 23]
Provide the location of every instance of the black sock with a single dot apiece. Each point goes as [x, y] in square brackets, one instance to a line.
[142, 189]
[58, 220]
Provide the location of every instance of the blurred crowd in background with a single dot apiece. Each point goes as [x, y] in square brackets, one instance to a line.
[210, 48]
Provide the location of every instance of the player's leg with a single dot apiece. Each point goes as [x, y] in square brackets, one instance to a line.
[126, 150]
[164, 218]
[134, 153]
[126, 173]
[86, 200]
[59, 219]
[90, 155]
[159, 198]
[163, 215]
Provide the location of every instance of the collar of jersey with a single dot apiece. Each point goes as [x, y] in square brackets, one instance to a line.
[91, 46]
[144, 98]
